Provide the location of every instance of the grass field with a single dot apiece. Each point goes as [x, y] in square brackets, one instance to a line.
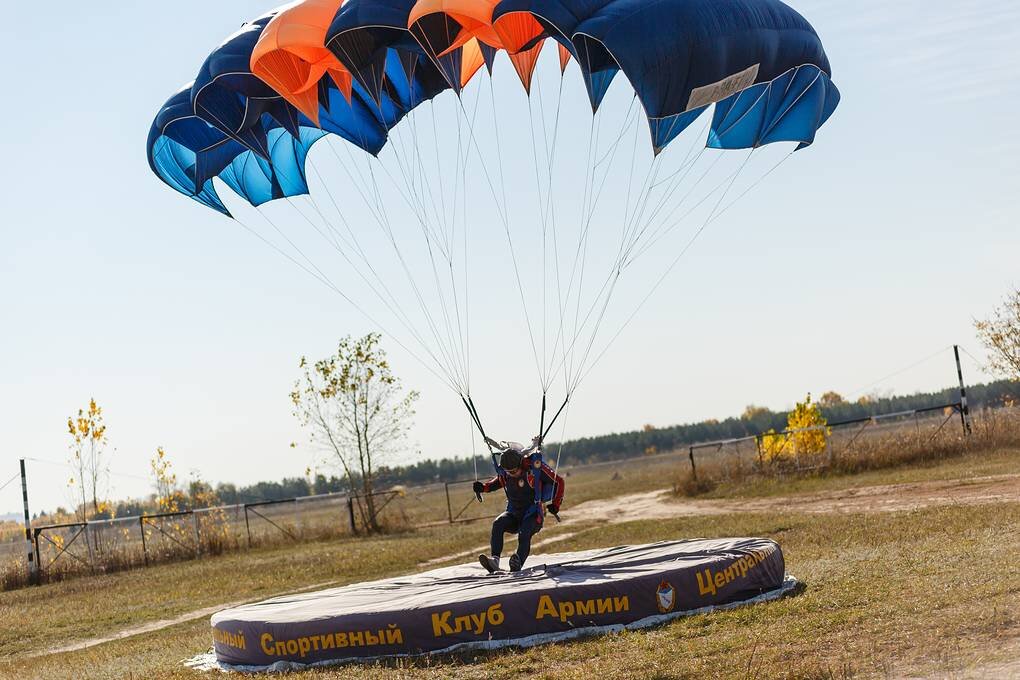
[929, 592]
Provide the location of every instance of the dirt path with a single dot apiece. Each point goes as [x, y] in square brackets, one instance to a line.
[661, 505]
[883, 498]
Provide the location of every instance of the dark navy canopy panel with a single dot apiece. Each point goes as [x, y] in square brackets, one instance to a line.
[683, 55]
[371, 40]
[186, 152]
[230, 97]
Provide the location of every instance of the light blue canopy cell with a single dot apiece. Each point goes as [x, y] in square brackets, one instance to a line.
[187, 153]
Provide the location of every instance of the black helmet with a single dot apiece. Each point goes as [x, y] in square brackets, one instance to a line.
[510, 459]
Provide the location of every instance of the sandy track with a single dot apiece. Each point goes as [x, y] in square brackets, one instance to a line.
[882, 498]
[662, 505]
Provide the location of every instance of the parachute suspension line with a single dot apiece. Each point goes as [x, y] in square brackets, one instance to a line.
[542, 226]
[680, 177]
[662, 232]
[462, 328]
[506, 229]
[313, 271]
[389, 300]
[711, 217]
[393, 308]
[439, 169]
[448, 351]
[309, 269]
[548, 218]
[405, 320]
[584, 228]
[409, 173]
[474, 450]
[581, 241]
[374, 206]
[562, 443]
[552, 214]
[499, 149]
[569, 359]
[754, 184]
[632, 232]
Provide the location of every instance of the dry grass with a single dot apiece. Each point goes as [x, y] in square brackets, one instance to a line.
[929, 592]
[993, 431]
[932, 592]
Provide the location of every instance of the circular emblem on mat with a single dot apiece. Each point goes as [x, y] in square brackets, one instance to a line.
[665, 597]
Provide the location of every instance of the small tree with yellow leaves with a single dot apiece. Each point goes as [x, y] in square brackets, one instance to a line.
[357, 412]
[168, 496]
[88, 449]
[806, 434]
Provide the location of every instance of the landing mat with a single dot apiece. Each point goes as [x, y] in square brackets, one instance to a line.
[556, 596]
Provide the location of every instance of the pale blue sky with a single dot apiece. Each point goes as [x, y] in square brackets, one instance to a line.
[866, 252]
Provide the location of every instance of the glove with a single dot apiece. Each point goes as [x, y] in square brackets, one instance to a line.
[478, 488]
[552, 509]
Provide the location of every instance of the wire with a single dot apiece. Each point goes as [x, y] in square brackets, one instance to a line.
[980, 364]
[5, 484]
[899, 372]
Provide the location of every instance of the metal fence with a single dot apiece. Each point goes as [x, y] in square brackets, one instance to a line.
[128, 542]
[765, 450]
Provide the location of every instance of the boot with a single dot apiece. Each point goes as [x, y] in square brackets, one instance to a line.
[515, 563]
[490, 563]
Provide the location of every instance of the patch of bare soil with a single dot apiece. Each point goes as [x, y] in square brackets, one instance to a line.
[882, 498]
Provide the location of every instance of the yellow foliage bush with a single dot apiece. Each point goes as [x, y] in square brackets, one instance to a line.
[806, 434]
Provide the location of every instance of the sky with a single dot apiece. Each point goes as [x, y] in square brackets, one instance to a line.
[853, 266]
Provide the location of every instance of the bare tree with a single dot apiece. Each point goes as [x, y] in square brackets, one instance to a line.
[357, 412]
[1000, 334]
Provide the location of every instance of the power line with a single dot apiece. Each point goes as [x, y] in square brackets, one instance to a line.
[980, 365]
[899, 372]
[5, 484]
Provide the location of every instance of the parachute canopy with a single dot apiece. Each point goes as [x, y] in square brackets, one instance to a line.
[356, 68]
[353, 71]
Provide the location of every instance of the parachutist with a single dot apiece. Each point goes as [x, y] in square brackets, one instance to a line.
[528, 483]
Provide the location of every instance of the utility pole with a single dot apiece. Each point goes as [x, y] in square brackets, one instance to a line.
[964, 410]
[33, 568]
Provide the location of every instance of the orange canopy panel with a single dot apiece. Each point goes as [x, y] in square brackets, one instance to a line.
[471, 20]
[474, 18]
[291, 56]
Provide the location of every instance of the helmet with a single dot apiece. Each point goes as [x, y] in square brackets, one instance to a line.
[510, 459]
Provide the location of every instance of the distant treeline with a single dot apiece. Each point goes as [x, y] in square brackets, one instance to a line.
[611, 446]
[756, 420]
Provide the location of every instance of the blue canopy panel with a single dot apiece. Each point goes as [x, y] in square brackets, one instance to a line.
[683, 55]
[259, 181]
[358, 121]
[183, 149]
[370, 38]
[791, 108]
[228, 96]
